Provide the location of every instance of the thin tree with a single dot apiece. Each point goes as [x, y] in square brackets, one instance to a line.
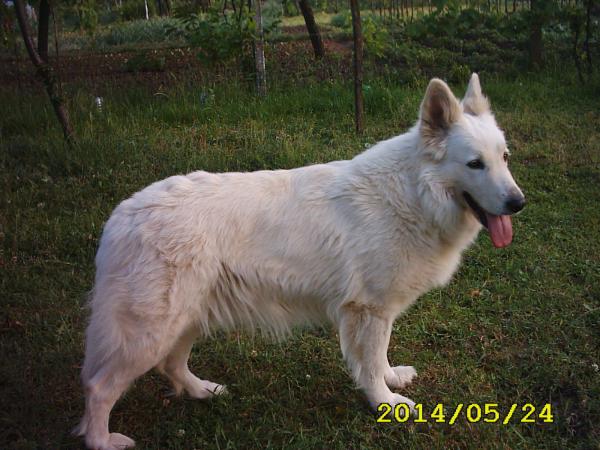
[43, 68]
[164, 7]
[259, 52]
[586, 43]
[536, 46]
[358, 66]
[313, 29]
[576, 29]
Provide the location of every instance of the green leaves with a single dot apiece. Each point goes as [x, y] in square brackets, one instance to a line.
[221, 35]
[376, 35]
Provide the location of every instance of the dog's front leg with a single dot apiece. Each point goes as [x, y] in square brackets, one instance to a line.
[364, 338]
[400, 376]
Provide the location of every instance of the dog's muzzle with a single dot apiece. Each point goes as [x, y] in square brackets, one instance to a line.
[515, 204]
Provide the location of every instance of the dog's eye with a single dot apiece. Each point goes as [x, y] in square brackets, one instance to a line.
[476, 164]
[505, 156]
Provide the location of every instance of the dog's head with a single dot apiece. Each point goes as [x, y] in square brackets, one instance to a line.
[470, 155]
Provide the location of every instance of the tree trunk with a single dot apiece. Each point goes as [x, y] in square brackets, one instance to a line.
[358, 66]
[43, 26]
[313, 29]
[203, 5]
[164, 7]
[576, 54]
[586, 43]
[536, 47]
[44, 71]
[259, 53]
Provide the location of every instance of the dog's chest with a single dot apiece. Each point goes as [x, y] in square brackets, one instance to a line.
[421, 272]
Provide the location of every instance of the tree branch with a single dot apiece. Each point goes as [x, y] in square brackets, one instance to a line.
[44, 71]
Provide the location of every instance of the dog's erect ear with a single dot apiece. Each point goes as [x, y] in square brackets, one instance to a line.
[439, 110]
[475, 103]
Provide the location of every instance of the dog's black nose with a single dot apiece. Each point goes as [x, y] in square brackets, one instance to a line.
[515, 204]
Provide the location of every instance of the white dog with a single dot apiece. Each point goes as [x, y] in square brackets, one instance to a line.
[349, 242]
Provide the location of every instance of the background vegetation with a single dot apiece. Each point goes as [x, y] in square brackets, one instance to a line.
[519, 325]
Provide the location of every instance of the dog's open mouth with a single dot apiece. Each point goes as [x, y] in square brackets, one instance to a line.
[499, 227]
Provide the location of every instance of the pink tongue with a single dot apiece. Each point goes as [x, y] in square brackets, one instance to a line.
[500, 228]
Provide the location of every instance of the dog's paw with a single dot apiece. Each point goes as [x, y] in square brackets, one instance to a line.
[220, 389]
[399, 399]
[203, 389]
[400, 376]
[394, 400]
[119, 441]
[115, 441]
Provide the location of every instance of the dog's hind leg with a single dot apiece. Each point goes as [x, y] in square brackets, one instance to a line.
[115, 356]
[103, 390]
[364, 338]
[175, 367]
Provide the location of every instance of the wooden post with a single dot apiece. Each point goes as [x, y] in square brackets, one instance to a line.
[259, 52]
[358, 66]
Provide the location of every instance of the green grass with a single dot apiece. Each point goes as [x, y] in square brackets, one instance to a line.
[520, 325]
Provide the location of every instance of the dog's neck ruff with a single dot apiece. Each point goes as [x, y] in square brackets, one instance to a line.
[406, 177]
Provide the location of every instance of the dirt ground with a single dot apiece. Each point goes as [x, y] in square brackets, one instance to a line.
[97, 69]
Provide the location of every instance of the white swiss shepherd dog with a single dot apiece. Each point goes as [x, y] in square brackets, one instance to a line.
[352, 242]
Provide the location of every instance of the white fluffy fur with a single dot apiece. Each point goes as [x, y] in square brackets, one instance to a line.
[352, 242]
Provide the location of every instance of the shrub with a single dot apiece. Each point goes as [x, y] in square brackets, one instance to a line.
[459, 72]
[463, 41]
[86, 15]
[139, 31]
[272, 12]
[376, 36]
[289, 8]
[219, 37]
[342, 20]
[222, 36]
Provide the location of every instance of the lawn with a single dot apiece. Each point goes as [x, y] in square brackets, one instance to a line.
[515, 326]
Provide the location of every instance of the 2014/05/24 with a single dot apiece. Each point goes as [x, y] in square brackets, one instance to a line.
[473, 412]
